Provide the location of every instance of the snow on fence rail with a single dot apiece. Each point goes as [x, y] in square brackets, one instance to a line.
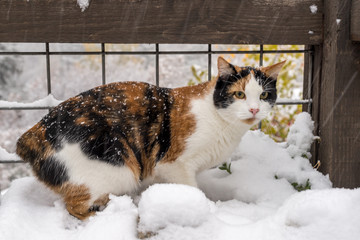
[44, 103]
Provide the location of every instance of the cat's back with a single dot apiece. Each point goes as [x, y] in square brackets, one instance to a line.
[85, 116]
[103, 120]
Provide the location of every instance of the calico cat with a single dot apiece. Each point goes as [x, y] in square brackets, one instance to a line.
[120, 137]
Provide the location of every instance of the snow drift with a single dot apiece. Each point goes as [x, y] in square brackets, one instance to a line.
[259, 200]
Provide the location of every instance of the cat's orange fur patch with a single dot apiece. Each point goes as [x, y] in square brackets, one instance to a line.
[103, 200]
[132, 163]
[34, 142]
[83, 121]
[183, 123]
[240, 85]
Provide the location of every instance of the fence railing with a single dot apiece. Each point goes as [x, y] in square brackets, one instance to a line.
[157, 52]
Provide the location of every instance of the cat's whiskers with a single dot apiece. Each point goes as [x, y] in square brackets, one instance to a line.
[269, 89]
[235, 76]
[267, 83]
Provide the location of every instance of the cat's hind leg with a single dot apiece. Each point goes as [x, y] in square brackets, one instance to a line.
[100, 203]
[77, 200]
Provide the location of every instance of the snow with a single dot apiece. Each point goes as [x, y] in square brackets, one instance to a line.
[288, 100]
[48, 101]
[300, 136]
[270, 167]
[31, 211]
[323, 214]
[4, 155]
[338, 21]
[165, 204]
[256, 201]
[83, 4]
[313, 8]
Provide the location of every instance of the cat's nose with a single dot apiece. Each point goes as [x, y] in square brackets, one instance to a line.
[254, 111]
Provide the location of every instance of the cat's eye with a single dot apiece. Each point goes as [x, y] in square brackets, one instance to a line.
[240, 95]
[264, 95]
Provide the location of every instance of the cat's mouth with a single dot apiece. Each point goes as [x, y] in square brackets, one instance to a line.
[250, 120]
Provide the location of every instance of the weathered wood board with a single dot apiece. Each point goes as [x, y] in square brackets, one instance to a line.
[355, 21]
[162, 21]
[337, 97]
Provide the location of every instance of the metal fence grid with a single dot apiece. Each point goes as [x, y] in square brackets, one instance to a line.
[47, 53]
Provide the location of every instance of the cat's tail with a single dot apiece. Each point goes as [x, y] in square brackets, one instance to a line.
[32, 146]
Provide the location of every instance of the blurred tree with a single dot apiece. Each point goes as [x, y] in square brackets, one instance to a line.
[9, 68]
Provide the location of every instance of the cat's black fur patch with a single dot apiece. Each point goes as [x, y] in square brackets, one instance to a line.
[164, 138]
[268, 84]
[53, 172]
[158, 112]
[232, 68]
[244, 72]
[221, 97]
[94, 208]
[151, 116]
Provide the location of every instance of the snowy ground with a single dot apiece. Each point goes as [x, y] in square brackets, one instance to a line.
[258, 200]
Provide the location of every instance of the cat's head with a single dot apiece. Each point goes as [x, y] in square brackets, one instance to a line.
[245, 93]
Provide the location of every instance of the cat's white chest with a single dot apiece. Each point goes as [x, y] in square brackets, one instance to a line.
[214, 139]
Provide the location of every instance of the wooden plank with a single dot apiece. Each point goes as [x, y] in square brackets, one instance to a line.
[339, 116]
[355, 20]
[162, 21]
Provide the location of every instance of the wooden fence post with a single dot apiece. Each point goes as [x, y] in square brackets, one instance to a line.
[338, 107]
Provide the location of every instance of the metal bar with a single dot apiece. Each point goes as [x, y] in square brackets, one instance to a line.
[293, 103]
[261, 55]
[48, 76]
[11, 161]
[22, 53]
[157, 64]
[154, 52]
[103, 72]
[27, 108]
[209, 62]
[310, 76]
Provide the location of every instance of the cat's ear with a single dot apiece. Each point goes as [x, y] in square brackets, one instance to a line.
[224, 67]
[273, 70]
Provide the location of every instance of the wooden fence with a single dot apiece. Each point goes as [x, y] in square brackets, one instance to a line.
[324, 26]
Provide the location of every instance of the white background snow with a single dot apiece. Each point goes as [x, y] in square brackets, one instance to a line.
[256, 201]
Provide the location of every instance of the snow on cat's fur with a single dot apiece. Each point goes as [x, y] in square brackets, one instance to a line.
[121, 137]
